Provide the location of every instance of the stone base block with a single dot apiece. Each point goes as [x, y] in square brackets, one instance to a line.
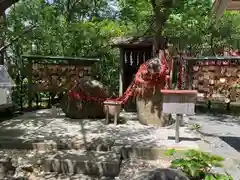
[82, 162]
[144, 153]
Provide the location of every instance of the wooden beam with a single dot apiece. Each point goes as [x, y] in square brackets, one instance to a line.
[30, 84]
[67, 58]
[234, 6]
[121, 72]
[16, 38]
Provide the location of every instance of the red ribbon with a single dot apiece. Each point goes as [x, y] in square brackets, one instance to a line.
[180, 74]
[143, 78]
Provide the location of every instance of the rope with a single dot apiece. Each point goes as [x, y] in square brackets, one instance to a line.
[144, 79]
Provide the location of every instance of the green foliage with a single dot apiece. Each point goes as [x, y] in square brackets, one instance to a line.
[237, 86]
[199, 165]
[195, 127]
[84, 28]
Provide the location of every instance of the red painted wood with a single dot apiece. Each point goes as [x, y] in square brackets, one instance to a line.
[179, 91]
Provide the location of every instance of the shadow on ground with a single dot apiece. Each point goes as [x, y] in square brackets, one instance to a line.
[40, 125]
[217, 109]
[184, 138]
[232, 141]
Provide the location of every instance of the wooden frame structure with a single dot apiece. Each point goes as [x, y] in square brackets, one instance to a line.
[47, 67]
[207, 74]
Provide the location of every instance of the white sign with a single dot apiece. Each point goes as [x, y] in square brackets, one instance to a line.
[179, 102]
[179, 108]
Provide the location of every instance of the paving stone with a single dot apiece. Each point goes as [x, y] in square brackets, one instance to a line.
[83, 162]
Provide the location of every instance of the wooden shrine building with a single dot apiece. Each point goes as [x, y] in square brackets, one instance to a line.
[133, 52]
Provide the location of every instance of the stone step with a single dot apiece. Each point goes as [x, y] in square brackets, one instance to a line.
[146, 152]
[83, 162]
[96, 144]
[57, 176]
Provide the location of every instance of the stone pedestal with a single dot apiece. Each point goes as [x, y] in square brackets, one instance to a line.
[112, 109]
[149, 109]
[82, 162]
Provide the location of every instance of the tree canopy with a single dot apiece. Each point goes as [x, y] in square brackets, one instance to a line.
[85, 28]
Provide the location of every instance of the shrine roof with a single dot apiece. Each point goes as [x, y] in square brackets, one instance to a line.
[134, 42]
[5, 4]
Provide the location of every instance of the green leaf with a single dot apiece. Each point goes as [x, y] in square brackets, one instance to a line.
[178, 163]
[170, 152]
[210, 177]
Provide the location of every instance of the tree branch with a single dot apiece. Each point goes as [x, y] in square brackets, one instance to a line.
[16, 38]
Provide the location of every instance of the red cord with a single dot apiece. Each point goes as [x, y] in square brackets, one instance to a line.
[143, 78]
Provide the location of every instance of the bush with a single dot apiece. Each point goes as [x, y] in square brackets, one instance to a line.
[198, 165]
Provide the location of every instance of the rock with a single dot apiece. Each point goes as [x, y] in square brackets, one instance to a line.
[150, 112]
[25, 165]
[80, 108]
[20, 174]
[129, 168]
[160, 174]
[28, 168]
[5, 167]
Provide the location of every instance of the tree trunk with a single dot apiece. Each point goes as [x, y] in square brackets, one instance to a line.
[161, 10]
[2, 35]
[150, 110]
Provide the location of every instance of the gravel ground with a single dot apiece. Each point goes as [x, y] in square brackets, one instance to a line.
[221, 132]
[40, 126]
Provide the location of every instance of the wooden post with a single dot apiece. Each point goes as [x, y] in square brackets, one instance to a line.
[3, 27]
[178, 119]
[121, 72]
[107, 114]
[30, 90]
